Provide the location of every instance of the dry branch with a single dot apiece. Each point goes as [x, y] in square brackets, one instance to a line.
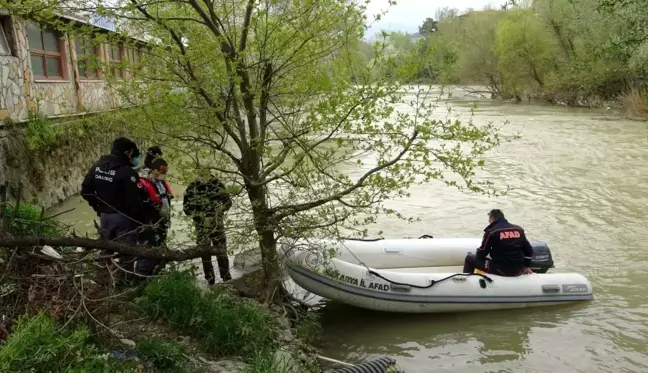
[149, 252]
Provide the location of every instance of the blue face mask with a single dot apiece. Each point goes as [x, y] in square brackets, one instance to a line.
[135, 161]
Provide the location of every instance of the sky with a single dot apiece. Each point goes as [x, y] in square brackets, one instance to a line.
[407, 15]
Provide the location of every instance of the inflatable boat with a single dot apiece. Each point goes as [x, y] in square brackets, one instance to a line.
[424, 276]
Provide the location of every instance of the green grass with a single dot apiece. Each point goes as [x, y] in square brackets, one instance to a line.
[164, 356]
[27, 221]
[264, 362]
[225, 325]
[38, 345]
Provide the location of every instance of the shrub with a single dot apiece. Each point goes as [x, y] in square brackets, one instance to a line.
[634, 103]
[38, 345]
[40, 133]
[224, 324]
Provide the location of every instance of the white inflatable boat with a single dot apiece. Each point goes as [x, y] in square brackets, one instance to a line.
[424, 276]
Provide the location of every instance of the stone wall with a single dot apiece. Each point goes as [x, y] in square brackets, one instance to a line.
[12, 97]
[50, 175]
[94, 95]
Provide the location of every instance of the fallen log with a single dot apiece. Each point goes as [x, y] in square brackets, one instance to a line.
[143, 251]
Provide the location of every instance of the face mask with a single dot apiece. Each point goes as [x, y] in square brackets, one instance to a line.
[161, 177]
[135, 161]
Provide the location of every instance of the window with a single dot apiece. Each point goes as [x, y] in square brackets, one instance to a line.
[46, 52]
[86, 54]
[116, 53]
[133, 56]
[5, 49]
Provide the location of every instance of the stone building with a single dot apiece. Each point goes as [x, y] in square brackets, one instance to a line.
[44, 70]
[48, 72]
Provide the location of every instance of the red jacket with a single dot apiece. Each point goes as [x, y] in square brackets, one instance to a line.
[152, 191]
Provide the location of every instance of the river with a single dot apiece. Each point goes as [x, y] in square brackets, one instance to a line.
[580, 183]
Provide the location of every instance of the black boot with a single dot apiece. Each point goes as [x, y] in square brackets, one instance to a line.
[208, 270]
[223, 268]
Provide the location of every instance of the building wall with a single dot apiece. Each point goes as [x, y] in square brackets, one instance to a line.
[21, 91]
[12, 97]
[13, 104]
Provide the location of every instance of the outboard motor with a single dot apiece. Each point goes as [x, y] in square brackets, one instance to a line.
[542, 260]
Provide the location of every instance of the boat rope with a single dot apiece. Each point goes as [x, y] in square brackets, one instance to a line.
[432, 283]
[425, 236]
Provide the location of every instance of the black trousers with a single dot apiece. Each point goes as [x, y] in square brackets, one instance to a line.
[155, 237]
[119, 228]
[497, 268]
[212, 232]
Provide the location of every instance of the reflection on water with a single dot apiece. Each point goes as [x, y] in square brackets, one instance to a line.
[580, 183]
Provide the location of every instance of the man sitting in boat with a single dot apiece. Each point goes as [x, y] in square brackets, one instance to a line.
[509, 249]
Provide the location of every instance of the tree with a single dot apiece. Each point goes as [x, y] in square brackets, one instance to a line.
[261, 91]
[525, 50]
[478, 62]
[428, 27]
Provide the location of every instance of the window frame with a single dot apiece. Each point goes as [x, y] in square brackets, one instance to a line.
[134, 56]
[97, 53]
[113, 61]
[43, 54]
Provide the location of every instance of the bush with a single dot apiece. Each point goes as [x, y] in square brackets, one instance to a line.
[165, 356]
[28, 220]
[40, 133]
[224, 324]
[38, 345]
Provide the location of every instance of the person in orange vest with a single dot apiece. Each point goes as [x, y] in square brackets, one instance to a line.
[157, 195]
[509, 249]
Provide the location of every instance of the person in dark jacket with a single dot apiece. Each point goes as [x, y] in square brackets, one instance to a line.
[510, 251]
[206, 201]
[110, 188]
[157, 195]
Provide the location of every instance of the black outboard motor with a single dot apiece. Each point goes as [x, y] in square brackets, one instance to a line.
[542, 260]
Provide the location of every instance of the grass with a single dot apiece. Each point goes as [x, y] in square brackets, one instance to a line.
[27, 220]
[264, 362]
[164, 356]
[39, 345]
[225, 325]
[634, 103]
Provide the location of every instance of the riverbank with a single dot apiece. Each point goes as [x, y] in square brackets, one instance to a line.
[633, 104]
[171, 325]
[64, 311]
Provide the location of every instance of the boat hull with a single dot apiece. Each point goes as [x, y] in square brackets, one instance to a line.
[432, 292]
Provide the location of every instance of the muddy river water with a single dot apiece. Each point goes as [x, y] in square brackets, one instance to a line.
[580, 183]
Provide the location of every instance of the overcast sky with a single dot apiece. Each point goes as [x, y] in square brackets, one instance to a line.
[407, 15]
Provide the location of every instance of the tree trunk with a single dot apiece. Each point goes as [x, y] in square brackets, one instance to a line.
[265, 227]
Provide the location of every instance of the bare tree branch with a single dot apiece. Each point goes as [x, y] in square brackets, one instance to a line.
[137, 250]
[283, 211]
